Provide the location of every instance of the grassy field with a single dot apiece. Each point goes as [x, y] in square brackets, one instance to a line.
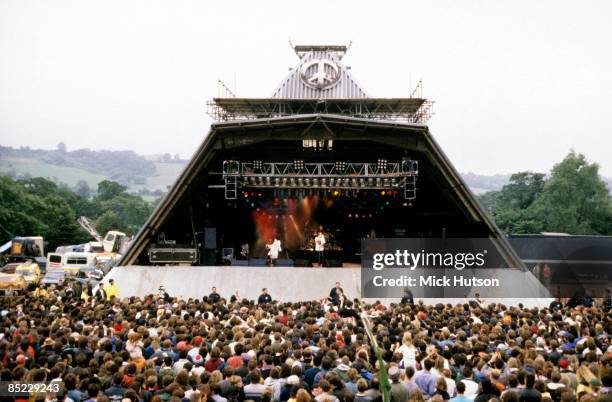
[164, 176]
[59, 174]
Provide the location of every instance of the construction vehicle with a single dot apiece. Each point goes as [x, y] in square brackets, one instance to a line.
[111, 243]
[22, 249]
[22, 262]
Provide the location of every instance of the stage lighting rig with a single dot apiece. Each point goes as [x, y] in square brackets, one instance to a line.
[300, 175]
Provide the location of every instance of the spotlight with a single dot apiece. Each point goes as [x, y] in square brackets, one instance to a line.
[298, 164]
[257, 165]
[382, 165]
[410, 166]
[231, 167]
[340, 166]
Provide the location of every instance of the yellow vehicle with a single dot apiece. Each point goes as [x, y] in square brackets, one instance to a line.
[11, 283]
[30, 272]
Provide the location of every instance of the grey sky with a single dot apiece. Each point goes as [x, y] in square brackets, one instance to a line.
[516, 84]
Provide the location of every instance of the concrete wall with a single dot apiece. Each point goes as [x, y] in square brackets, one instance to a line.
[284, 283]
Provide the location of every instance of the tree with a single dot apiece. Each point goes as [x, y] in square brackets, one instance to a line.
[61, 223]
[575, 199]
[82, 189]
[489, 200]
[109, 220]
[61, 147]
[108, 190]
[521, 191]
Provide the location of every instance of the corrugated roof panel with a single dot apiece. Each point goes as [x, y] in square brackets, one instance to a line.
[294, 86]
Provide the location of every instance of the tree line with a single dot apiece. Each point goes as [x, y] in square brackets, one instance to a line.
[39, 207]
[572, 199]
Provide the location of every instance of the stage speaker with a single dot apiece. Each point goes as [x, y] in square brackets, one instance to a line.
[302, 263]
[210, 238]
[209, 257]
[284, 262]
[258, 262]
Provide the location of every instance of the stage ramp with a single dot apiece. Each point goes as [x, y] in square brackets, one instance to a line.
[284, 283]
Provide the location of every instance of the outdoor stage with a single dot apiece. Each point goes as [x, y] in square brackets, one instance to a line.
[286, 284]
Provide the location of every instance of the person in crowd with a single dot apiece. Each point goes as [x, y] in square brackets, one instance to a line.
[100, 295]
[335, 294]
[471, 386]
[264, 297]
[408, 351]
[529, 393]
[214, 297]
[460, 394]
[86, 293]
[407, 298]
[398, 392]
[112, 290]
[425, 380]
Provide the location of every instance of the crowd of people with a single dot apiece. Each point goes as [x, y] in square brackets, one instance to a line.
[162, 348]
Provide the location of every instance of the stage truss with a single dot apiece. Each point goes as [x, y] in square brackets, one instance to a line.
[380, 175]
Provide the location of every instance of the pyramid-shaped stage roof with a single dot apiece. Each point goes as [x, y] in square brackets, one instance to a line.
[319, 100]
[321, 83]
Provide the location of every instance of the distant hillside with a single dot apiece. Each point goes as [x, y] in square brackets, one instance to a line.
[145, 175]
[480, 184]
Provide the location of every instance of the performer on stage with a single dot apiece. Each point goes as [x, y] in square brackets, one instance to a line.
[320, 248]
[274, 249]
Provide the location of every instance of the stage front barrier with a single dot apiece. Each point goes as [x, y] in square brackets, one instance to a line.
[284, 283]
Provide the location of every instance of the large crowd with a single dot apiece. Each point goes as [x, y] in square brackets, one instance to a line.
[103, 347]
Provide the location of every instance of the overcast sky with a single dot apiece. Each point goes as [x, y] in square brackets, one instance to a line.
[516, 84]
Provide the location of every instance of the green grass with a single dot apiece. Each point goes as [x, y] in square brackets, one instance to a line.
[59, 174]
[165, 176]
[167, 173]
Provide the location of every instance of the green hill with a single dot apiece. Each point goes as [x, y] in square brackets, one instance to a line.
[139, 174]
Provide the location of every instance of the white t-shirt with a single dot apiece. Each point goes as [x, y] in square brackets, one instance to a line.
[275, 248]
[320, 242]
[408, 356]
[471, 388]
